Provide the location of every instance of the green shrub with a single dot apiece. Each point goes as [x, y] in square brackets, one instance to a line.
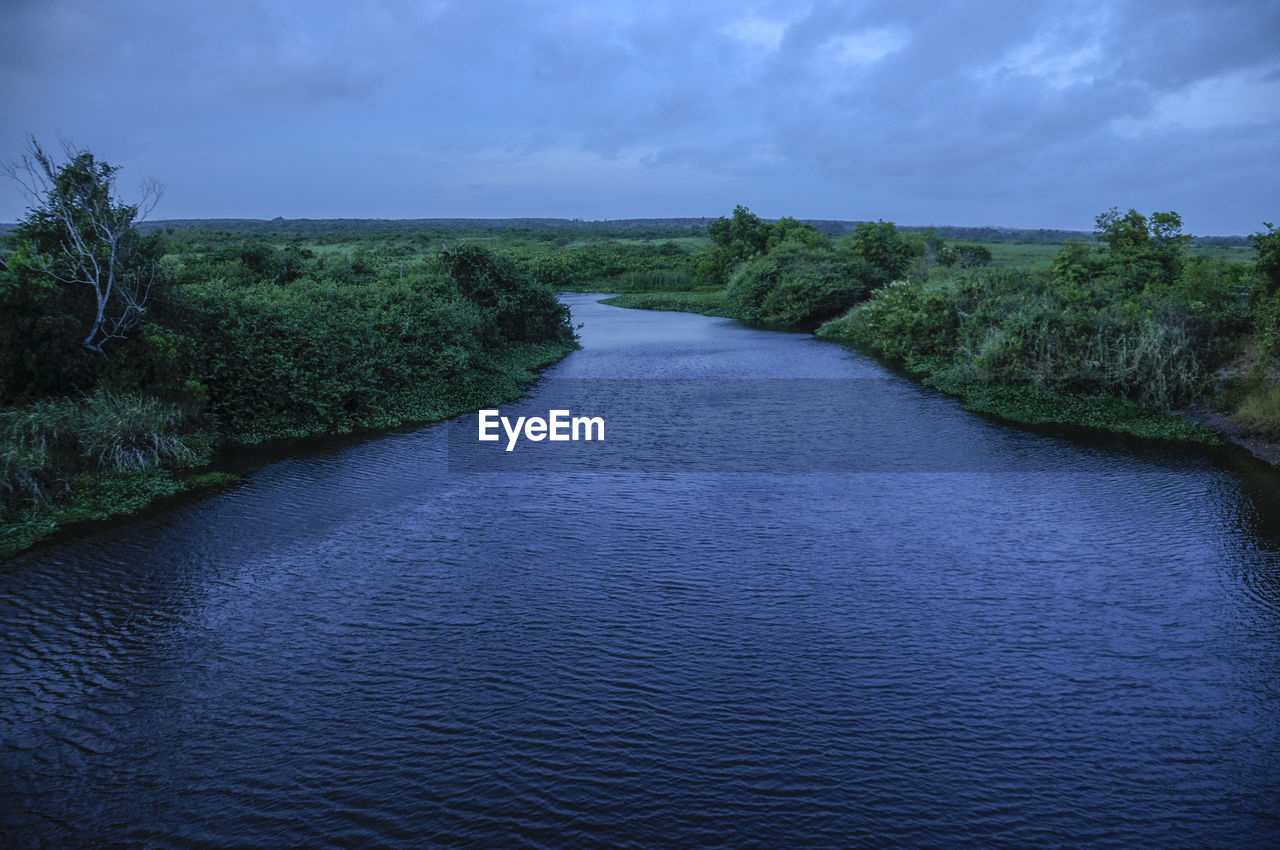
[796, 285]
[515, 308]
[879, 244]
[1267, 328]
[708, 301]
[1267, 244]
[46, 444]
[41, 329]
[359, 340]
[902, 321]
[1024, 329]
[964, 256]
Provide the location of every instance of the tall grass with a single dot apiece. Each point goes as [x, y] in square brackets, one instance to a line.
[44, 445]
[665, 280]
[1259, 412]
[1020, 330]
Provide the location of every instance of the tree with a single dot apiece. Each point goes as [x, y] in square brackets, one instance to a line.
[788, 229]
[518, 308]
[1124, 234]
[1142, 249]
[744, 235]
[880, 244]
[1166, 231]
[733, 240]
[82, 236]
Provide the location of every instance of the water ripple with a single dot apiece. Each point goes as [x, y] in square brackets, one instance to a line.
[359, 648]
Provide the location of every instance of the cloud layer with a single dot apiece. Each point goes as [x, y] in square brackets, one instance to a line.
[1029, 114]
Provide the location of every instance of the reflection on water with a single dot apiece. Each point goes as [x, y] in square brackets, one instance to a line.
[366, 647]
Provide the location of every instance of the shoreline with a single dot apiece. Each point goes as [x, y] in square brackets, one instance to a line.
[1267, 451]
[1199, 425]
[98, 500]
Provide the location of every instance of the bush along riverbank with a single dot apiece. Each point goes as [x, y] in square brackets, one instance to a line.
[1133, 332]
[123, 366]
[1115, 337]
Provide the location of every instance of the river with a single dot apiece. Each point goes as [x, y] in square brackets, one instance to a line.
[1065, 642]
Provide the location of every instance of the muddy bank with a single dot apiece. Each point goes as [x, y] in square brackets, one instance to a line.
[1260, 447]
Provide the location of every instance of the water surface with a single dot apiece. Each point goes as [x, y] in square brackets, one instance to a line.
[365, 646]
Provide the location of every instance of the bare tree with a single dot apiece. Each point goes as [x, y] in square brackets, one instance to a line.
[84, 236]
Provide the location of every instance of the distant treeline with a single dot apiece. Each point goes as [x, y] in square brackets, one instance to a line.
[651, 228]
[648, 228]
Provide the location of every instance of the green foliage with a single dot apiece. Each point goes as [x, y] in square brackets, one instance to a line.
[611, 265]
[744, 236]
[1268, 328]
[1258, 411]
[255, 260]
[787, 229]
[964, 256]
[43, 446]
[715, 265]
[256, 341]
[1142, 250]
[40, 333]
[709, 301]
[1267, 244]
[81, 237]
[1213, 296]
[665, 280]
[363, 338]
[1124, 234]
[783, 273]
[902, 321]
[513, 307]
[795, 285]
[1101, 338]
[1032, 407]
[1026, 330]
[90, 497]
[881, 245]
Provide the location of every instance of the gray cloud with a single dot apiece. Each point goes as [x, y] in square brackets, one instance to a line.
[1030, 114]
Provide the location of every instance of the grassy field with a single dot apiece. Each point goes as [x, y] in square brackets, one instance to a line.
[1038, 256]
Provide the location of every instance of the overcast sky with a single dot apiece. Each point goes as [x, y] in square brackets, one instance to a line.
[977, 112]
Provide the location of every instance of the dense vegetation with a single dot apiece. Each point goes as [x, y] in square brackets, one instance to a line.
[121, 370]
[129, 354]
[1112, 331]
[789, 274]
[1133, 318]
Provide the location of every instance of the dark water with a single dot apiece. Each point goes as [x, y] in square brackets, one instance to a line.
[367, 647]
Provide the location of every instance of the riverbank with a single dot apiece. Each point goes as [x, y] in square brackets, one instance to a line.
[1026, 406]
[1048, 625]
[1265, 450]
[1016, 405]
[99, 497]
[704, 302]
